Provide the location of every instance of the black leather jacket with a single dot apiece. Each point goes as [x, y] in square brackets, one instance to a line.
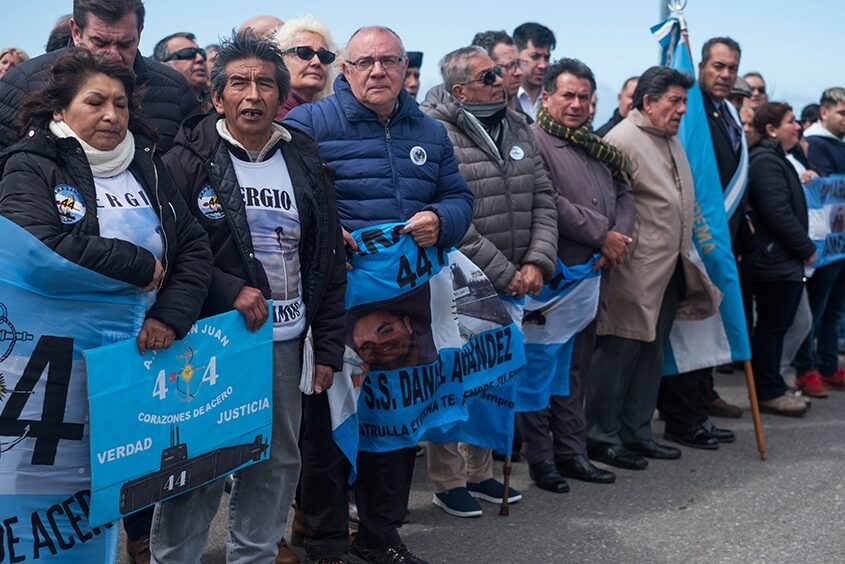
[201, 159]
[40, 162]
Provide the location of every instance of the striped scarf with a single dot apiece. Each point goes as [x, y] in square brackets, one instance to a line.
[613, 158]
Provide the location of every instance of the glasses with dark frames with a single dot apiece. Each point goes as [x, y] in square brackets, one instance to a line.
[306, 53]
[488, 77]
[186, 54]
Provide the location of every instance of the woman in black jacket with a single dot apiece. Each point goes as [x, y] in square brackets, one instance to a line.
[782, 248]
[97, 195]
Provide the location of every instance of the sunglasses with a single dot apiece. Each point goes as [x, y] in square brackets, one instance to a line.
[307, 53]
[488, 78]
[760, 89]
[188, 53]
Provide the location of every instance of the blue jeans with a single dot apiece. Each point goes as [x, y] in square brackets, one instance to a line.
[261, 495]
[826, 290]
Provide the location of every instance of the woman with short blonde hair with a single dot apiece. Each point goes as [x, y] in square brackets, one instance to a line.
[10, 57]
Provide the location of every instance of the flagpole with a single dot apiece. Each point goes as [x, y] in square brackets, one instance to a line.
[504, 509]
[676, 7]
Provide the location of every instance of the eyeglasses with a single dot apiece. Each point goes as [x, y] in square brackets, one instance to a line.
[488, 77]
[188, 53]
[511, 66]
[367, 63]
[306, 53]
[760, 89]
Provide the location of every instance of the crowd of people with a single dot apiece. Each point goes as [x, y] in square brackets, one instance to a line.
[515, 175]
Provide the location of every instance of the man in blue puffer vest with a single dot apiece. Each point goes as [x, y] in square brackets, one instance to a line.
[392, 163]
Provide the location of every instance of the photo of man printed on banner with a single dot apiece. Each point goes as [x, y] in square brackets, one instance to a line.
[392, 334]
[479, 307]
[837, 219]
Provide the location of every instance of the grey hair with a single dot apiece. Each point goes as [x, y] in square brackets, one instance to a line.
[247, 45]
[455, 66]
[160, 51]
[655, 81]
[381, 28]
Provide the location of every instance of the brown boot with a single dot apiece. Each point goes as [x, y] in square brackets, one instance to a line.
[138, 551]
[285, 554]
[299, 528]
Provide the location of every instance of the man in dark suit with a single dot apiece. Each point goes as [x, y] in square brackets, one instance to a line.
[686, 399]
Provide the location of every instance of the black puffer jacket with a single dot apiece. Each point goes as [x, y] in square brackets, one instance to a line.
[200, 159]
[37, 164]
[779, 216]
[167, 97]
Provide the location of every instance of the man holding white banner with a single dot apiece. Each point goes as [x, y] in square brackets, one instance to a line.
[595, 214]
[659, 283]
[512, 237]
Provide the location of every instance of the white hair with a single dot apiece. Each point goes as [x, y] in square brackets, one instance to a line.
[285, 35]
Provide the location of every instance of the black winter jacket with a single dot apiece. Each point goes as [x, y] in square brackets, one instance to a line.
[167, 97]
[779, 216]
[201, 159]
[32, 169]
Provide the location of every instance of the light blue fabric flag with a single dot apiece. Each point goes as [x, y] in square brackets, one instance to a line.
[826, 210]
[167, 422]
[50, 311]
[721, 338]
[427, 337]
[552, 320]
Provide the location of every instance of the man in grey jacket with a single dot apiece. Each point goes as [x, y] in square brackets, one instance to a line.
[595, 211]
[512, 238]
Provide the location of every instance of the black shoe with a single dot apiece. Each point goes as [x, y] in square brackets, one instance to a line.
[721, 435]
[546, 476]
[579, 468]
[651, 449]
[697, 437]
[393, 555]
[619, 456]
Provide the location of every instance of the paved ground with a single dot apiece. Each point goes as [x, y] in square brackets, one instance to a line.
[723, 506]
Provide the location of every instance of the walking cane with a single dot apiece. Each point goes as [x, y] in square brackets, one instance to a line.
[504, 509]
[755, 409]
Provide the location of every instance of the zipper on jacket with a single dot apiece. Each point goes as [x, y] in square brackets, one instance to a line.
[393, 174]
[160, 216]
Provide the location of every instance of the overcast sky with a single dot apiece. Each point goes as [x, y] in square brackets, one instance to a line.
[793, 44]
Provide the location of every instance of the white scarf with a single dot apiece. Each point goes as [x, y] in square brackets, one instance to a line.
[104, 164]
[278, 132]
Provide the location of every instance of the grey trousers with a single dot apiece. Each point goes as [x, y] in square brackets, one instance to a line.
[261, 495]
[625, 379]
[797, 332]
[560, 431]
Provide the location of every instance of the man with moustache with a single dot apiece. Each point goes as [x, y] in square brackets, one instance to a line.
[180, 51]
[658, 283]
[595, 214]
[392, 163]
[535, 43]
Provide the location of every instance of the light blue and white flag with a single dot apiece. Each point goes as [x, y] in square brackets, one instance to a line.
[826, 210]
[50, 311]
[552, 320]
[721, 338]
[167, 422]
[427, 336]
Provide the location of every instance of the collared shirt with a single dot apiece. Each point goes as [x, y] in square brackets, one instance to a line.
[529, 107]
[734, 129]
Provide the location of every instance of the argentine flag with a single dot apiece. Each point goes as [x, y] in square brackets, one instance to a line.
[721, 338]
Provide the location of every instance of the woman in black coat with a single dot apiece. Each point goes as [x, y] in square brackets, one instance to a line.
[98, 195]
[782, 249]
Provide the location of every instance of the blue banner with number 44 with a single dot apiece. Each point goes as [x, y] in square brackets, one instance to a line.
[170, 421]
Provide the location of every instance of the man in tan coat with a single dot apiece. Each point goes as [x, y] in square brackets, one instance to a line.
[657, 285]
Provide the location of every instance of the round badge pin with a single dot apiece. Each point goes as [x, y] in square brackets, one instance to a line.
[517, 153]
[208, 203]
[70, 204]
[418, 155]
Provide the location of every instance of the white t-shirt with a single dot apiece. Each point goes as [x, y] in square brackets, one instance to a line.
[125, 212]
[274, 225]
